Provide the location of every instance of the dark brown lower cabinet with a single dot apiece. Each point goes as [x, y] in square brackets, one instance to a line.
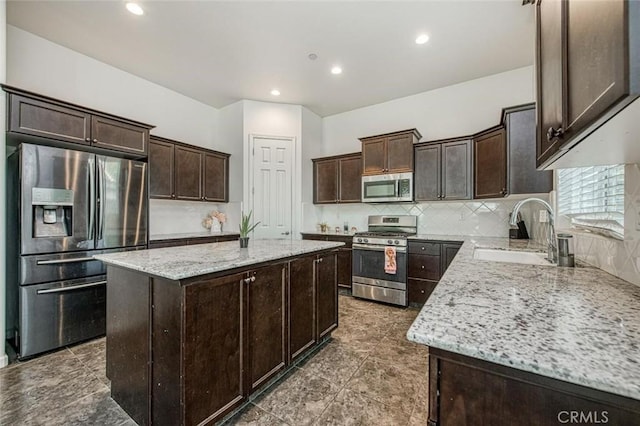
[344, 255]
[467, 391]
[266, 323]
[302, 299]
[189, 352]
[427, 262]
[327, 299]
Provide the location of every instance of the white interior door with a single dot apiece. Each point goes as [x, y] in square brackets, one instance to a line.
[272, 186]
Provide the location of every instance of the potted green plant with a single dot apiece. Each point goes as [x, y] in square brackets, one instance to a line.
[245, 229]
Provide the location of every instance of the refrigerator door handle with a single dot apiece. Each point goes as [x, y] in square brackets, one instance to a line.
[92, 199]
[101, 201]
[73, 287]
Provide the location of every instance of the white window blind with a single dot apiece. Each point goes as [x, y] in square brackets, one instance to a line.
[593, 197]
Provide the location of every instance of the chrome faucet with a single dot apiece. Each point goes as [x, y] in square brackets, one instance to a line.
[552, 249]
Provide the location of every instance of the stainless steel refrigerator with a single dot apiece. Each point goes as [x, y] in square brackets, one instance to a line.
[64, 206]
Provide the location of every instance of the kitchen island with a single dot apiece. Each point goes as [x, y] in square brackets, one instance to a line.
[528, 344]
[194, 331]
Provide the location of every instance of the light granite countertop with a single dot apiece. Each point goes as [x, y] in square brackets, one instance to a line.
[176, 263]
[580, 325]
[182, 235]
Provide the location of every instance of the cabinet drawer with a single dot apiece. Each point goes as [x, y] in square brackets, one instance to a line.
[421, 247]
[424, 266]
[420, 290]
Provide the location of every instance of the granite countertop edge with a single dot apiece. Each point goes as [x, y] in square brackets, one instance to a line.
[178, 263]
[579, 325]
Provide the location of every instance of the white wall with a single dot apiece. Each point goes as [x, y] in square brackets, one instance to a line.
[41, 66]
[3, 281]
[450, 111]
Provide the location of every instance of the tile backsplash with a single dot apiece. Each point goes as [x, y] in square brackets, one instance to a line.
[489, 218]
[174, 217]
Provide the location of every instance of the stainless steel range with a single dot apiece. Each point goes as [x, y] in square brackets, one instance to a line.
[379, 268]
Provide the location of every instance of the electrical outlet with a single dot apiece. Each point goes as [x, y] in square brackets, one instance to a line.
[544, 216]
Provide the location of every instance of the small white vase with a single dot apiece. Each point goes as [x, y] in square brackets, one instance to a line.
[216, 226]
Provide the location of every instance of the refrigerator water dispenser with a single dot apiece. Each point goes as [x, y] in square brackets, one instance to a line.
[52, 212]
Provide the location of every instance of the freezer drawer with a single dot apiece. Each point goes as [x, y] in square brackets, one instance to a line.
[41, 268]
[53, 315]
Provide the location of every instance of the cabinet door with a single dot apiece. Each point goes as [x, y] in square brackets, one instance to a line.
[117, 135]
[350, 178]
[427, 172]
[266, 327]
[188, 173]
[456, 170]
[161, 169]
[400, 153]
[325, 181]
[374, 156]
[490, 165]
[302, 306]
[213, 330]
[449, 251]
[32, 117]
[216, 177]
[344, 267]
[550, 38]
[596, 59]
[524, 178]
[327, 294]
[424, 266]
[419, 290]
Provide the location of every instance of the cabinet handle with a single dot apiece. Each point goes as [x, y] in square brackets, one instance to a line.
[173, 195]
[422, 248]
[87, 139]
[95, 141]
[554, 133]
[253, 279]
[247, 280]
[422, 267]
[422, 291]
[504, 191]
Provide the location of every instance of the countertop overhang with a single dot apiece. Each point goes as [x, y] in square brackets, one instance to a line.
[579, 325]
[178, 263]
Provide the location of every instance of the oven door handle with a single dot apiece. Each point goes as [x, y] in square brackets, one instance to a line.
[376, 248]
[61, 261]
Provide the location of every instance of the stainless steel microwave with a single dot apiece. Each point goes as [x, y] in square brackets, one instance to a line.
[389, 188]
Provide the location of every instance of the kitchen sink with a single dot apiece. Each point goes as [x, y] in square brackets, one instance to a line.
[509, 256]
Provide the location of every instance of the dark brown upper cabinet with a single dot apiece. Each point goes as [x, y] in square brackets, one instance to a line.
[188, 173]
[185, 172]
[522, 176]
[389, 153]
[490, 164]
[51, 120]
[216, 182]
[337, 179]
[443, 170]
[161, 169]
[587, 68]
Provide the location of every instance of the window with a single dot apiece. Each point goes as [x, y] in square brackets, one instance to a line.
[593, 197]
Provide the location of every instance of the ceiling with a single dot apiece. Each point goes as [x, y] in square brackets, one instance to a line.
[220, 52]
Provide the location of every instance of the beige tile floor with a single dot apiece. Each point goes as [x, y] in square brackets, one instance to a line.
[368, 374]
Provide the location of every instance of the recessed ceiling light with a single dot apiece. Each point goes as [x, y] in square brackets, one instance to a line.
[336, 70]
[422, 39]
[135, 8]
[275, 92]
